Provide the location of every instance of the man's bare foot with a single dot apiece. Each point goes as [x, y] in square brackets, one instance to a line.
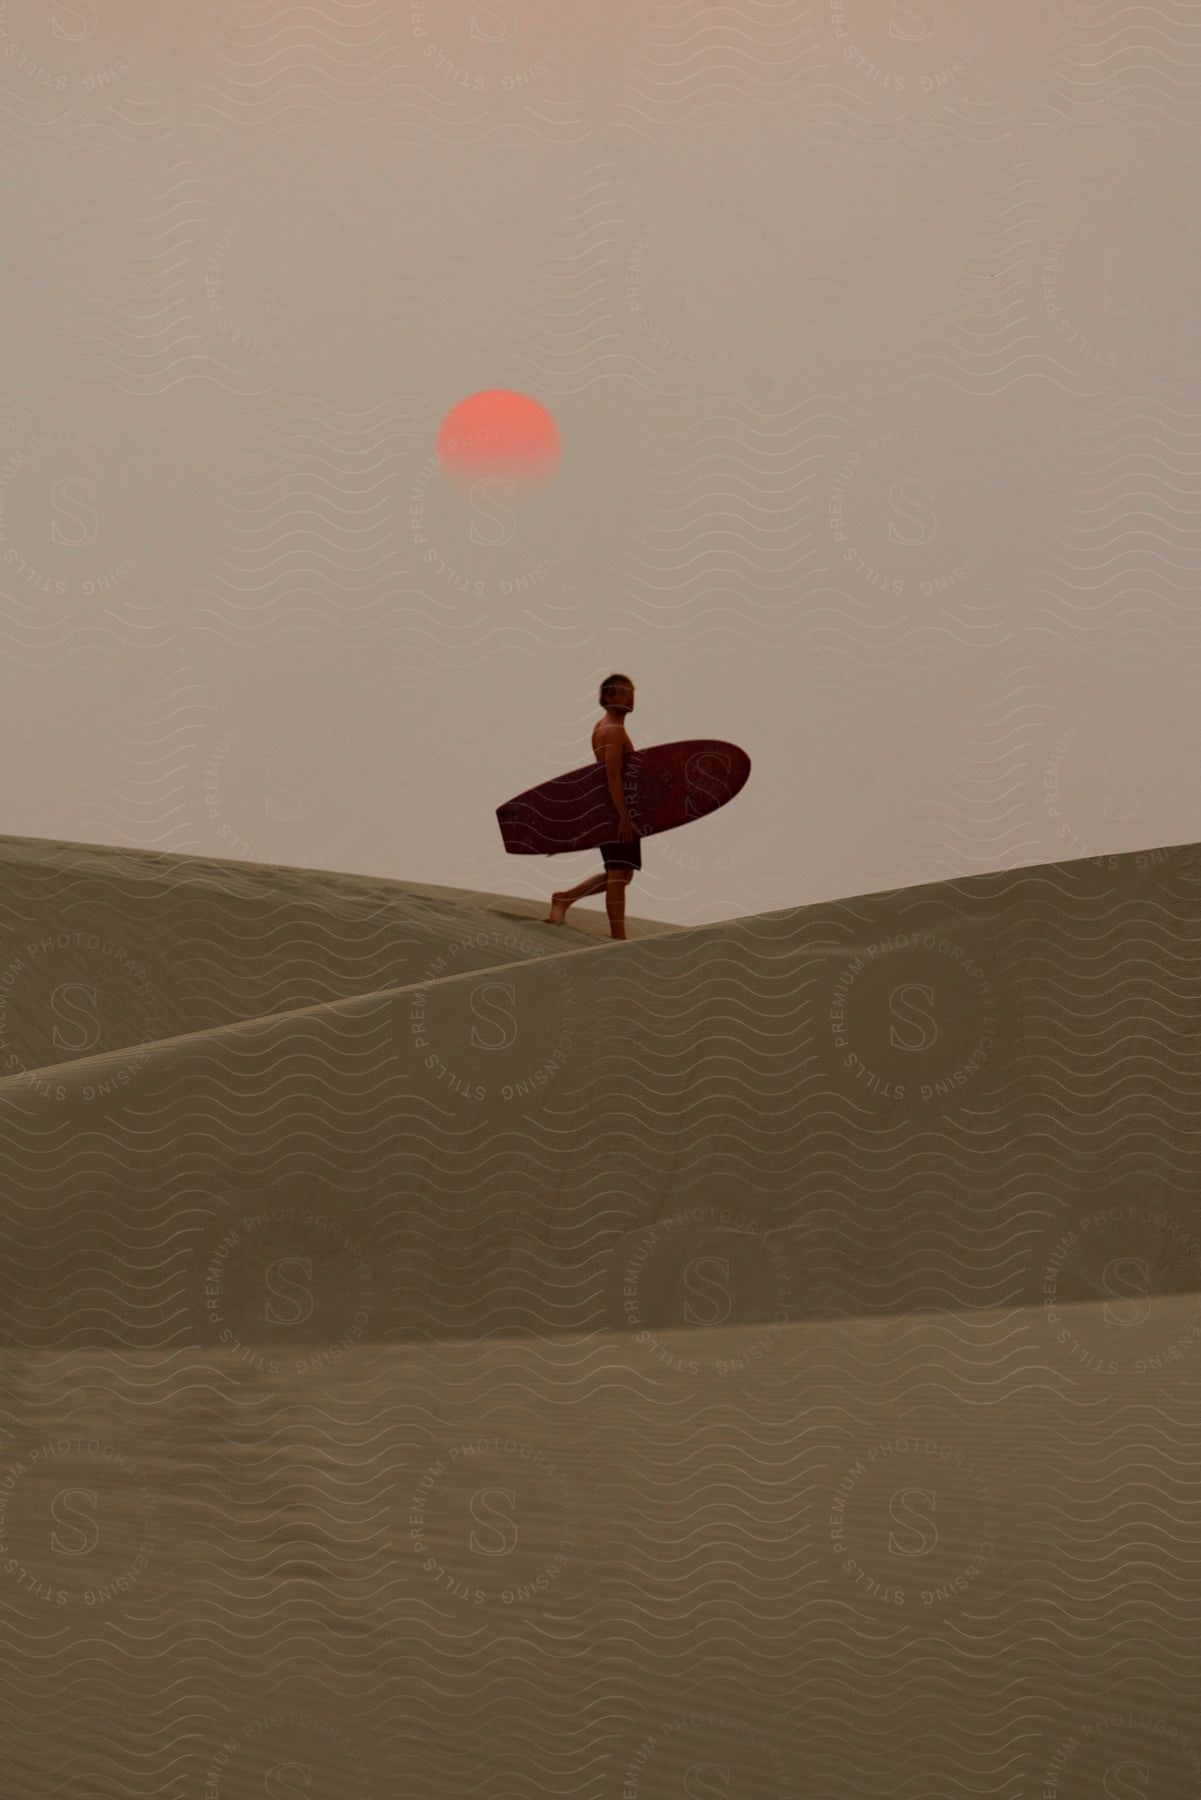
[558, 910]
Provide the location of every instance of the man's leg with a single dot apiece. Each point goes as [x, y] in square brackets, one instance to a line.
[616, 883]
[559, 902]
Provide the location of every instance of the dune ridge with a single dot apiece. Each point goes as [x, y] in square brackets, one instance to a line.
[455, 1357]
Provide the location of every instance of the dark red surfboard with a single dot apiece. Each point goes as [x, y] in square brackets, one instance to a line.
[667, 786]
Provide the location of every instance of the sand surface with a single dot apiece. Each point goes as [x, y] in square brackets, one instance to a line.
[446, 1355]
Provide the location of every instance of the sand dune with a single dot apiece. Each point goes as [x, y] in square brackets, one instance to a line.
[448, 1355]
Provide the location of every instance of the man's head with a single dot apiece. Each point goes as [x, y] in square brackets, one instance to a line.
[617, 693]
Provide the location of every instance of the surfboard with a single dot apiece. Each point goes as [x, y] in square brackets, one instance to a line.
[666, 786]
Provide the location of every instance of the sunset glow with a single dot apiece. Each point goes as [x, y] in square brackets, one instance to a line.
[499, 432]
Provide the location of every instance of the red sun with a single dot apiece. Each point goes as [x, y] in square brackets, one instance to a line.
[499, 432]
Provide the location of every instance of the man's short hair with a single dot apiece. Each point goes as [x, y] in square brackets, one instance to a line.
[609, 683]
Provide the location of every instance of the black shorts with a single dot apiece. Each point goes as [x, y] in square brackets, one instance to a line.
[622, 856]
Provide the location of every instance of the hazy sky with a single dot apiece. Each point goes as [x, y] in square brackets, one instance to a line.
[870, 334]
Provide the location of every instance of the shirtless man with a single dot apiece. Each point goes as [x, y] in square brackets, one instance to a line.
[610, 744]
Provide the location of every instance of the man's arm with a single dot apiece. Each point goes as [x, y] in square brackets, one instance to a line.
[611, 742]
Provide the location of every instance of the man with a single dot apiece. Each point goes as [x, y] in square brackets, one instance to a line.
[610, 745]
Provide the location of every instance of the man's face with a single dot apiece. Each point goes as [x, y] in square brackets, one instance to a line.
[621, 696]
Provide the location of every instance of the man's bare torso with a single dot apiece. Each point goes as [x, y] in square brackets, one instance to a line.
[605, 732]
